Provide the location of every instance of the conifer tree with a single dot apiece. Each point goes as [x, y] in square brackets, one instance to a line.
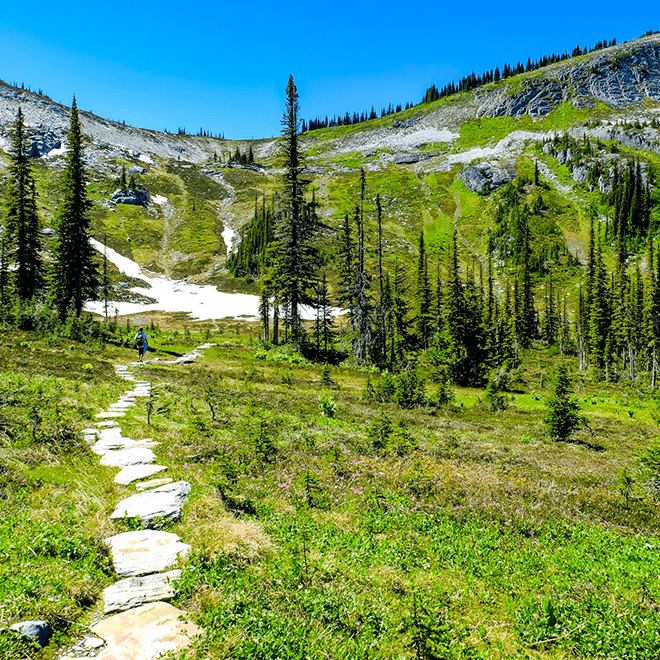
[423, 305]
[75, 274]
[323, 325]
[562, 417]
[22, 216]
[292, 254]
[346, 268]
[598, 310]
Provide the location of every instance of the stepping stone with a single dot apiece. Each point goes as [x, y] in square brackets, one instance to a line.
[90, 431]
[184, 360]
[106, 425]
[145, 632]
[145, 551]
[135, 472]
[121, 407]
[125, 457]
[164, 502]
[109, 415]
[136, 591]
[153, 483]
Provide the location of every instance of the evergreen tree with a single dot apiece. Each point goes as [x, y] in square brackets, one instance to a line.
[562, 417]
[423, 304]
[323, 325]
[75, 274]
[346, 267]
[22, 216]
[293, 255]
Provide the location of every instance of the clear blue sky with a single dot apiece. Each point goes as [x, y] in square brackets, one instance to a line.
[224, 66]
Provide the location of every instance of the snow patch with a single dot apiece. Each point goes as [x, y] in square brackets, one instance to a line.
[145, 159]
[201, 302]
[159, 199]
[231, 239]
[55, 152]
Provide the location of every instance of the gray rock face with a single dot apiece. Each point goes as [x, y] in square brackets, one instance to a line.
[165, 502]
[617, 77]
[137, 197]
[407, 159]
[146, 551]
[43, 142]
[407, 123]
[36, 631]
[487, 176]
[136, 591]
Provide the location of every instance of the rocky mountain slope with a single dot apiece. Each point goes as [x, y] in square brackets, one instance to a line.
[434, 165]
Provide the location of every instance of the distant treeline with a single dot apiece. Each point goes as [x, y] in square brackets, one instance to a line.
[202, 132]
[467, 83]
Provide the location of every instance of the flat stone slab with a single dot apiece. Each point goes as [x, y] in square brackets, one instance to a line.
[110, 414]
[145, 632]
[136, 591]
[106, 425]
[164, 502]
[126, 457]
[145, 551]
[135, 472]
[153, 483]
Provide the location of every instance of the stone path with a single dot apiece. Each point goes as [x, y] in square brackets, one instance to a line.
[145, 626]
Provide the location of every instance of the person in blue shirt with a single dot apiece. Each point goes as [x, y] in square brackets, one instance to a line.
[141, 344]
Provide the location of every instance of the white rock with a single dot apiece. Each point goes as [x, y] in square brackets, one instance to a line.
[135, 472]
[106, 425]
[94, 643]
[136, 591]
[145, 551]
[153, 483]
[145, 632]
[125, 457]
[109, 415]
[165, 502]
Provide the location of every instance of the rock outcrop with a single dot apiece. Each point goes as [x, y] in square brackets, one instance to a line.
[138, 196]
[619, 76]
[487, 176]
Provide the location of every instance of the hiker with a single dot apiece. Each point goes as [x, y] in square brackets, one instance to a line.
[141, 343]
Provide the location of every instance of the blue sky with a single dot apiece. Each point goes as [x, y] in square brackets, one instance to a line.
[224, 66]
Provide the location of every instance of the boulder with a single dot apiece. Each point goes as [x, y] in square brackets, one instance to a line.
[136, 591]
[165, 502]
[145, 551]
[487, 176]
[139, 196]
[44, 142]
[407, 123]
[36, 631]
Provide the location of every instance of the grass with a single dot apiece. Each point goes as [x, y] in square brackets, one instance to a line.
[480, 538]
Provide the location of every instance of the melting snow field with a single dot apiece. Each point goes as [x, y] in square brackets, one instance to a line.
[202, 302]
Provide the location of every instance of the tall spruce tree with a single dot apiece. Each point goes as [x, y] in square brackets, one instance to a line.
[22, 216]
[423, 302]
[292, 255]
[75, 276]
